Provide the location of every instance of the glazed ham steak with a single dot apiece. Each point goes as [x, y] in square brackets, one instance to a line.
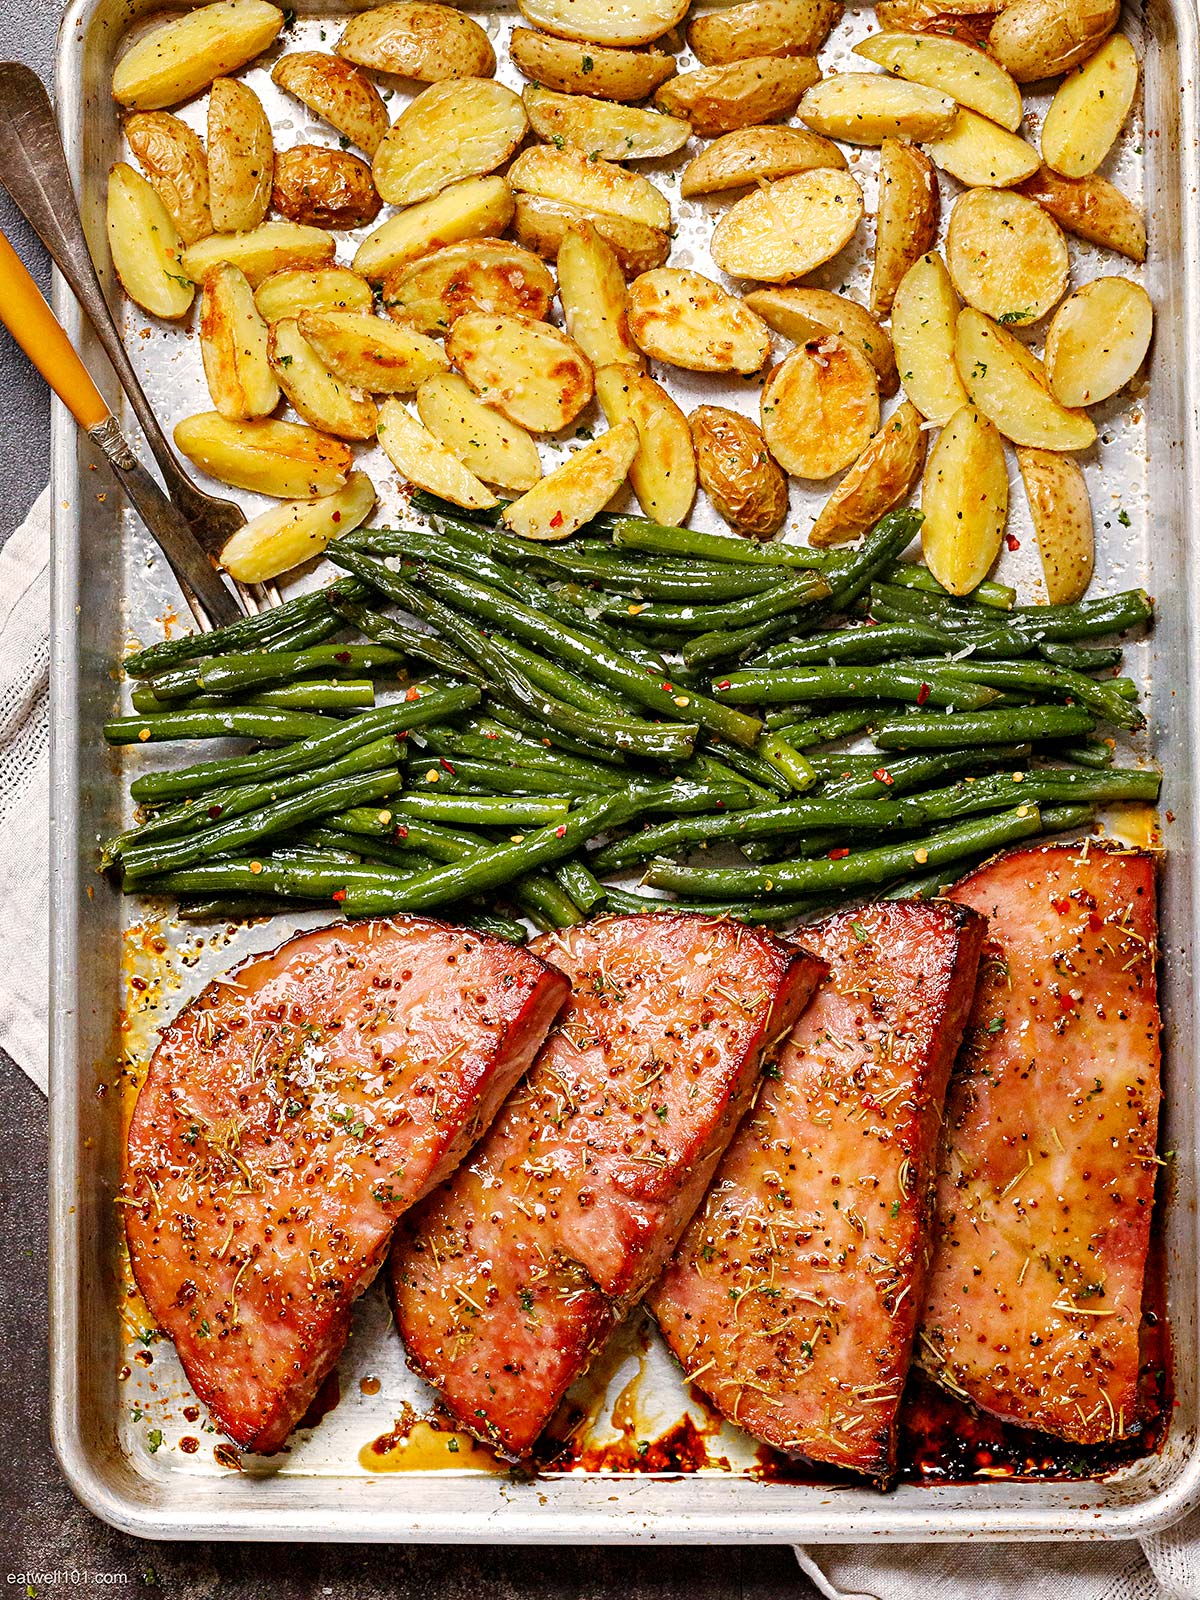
[1048, 1166]
[508, 1279]
[794, 1295]
[291, 1114]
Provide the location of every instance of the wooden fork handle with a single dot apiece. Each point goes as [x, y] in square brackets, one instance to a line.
[38, 331]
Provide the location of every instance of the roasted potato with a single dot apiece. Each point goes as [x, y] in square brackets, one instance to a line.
[788, 228]
[474, 209]
[324, 188]
[906, 218]
[233, 346]
[287, 536]
[1062, 522]
[869, 107]
[578, 490]
[595, 70]
[804, 314]
[1091, 208]
[461, 128]
[370, 352]
[283, 459]
[595, 301]
[687, 320]
[596, 185]
[173, 159]
[541, 225]
[240, 157]
[924, 319]
[489, 445]
[964, 496]
[602, 128]
[762, 28]
[1008, 383]
[175, 59]
[878, 481]
[952, 67]
[1037, 39]
[956, 19]
[273, 247]
[1006, 256]
[425, 462]
[1090, 109]
[323, 400]
[749, 154]
[758, 89]
[1097, 340]
[417, 39]
[607, 22]
[336, 91]
[532, 372]
[146, 250]
[489, 275]
[663, 472]
[820, 407]
[737, 472]
[981, 154]
[288, 293]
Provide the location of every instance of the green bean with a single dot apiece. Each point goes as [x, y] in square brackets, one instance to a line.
[572, 771]
[821, 730]
[304, 880]
[237, 908]
[780, 600]
[635, 533]
[1040, 677]
[548, 737]
[793, 767]
[1081, 657]
[997, 595]
[554, 678]
[1087, 753]
[432, 505]
[1043, 786]
[919, 683]
[584, 889]
[411, 642]
[350, 695]
[751, 765]
[904, 774]
[709, 769]
[864, 644]
[952, 729]
[744, 910]
[360, 847]
[484, 811]
[546, 903]
[1086, 619]
[243, 673]
[242, 722]
[496, 778]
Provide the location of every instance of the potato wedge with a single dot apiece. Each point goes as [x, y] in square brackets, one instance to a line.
[417, 39]
[601, 128]
[906, 217]
[324, 188]
[758, 89]
[1037, 39]
[981, 154]
[594, 70]
[869, 107]
[425, 462]
[687, 320]
[1091, 208]
[146, 250]
[820, 407]
[489, 445]
[878, 481]
[1062, 522]
[477, 208]
[338, 92]
[273, 247]
[1006, 256]
[924, 317]
[970, 20]
[1090, 108]
[287, 536]
[804, 314]
[596, 185]
[174, 60]
[460, 128]
[532, 372]
[749, 154]
[964, 495]
[595, 301]
[1097, 340]
[1008, 383]
[762, 28]
[607, 22]
[489, 275]
[966, 74]
[788, 228]
[663, 472]
[283, 459]
[233, 346]
[541, 225]
[173, 159]
[323, 400]
[372, 353]
[240, 157]
[288, 293]
[578, 490]
[746, 485]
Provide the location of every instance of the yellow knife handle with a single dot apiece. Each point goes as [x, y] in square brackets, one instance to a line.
[42, 337]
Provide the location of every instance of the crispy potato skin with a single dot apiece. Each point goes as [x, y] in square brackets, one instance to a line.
[173, 159]
[758, 89]
[1037, 39]
[324, 188]
[803, 314]
[180, 56]
[337, 91]
[742, 157]
[240, 155]
[906, 221]
[969, 20]
[418, 39]
[1091, 208]
[542, 224]
[880, 479]
[145, 248]
[590, 69]
[737, 472]
[762, 28]
[1062, 520]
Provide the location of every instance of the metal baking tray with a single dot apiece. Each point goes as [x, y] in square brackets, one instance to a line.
[129, 1438]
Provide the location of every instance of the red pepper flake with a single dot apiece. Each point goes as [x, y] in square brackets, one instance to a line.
[401, 736]
[923, 694]
[445, 765]
[215, 811]
[882, 775]
[840, 853]
[1095, 921]
[1062, 905]
[1012, 541]
[724, 684]
[556, 521]
[561, 831]
[401, 832]
[412, 694]
[339, 895]
[720, 806]
[343, 657]
[1066, 1002]
[669, 687]
[336, 517]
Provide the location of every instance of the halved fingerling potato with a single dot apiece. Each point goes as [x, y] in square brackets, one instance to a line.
[594, 298]
[1008, 383]
[1006, 256]
[273, 247]
[175, 59]
[663, 472]
[786, 229]
[1090, 108]
[749, 154]
[1091, 208]
[970, 20]
[424, 461]
[1062, 522]
[737, 472]
[981, 154]
[578, 490]
[532, 372]
[233, 346]
[324, 188]
[869, 107]
[596, 185]
[964, 495]
[288, 293]
[338, 92]
[283, 459]
[323, 400]
[1037, 39]
[924, 319]
[803, 314]
[879, 480]
[417, 39]
[460, 128]
[286, 536]
[607, 22]
[758, 89]
[687, 320]
[820, 407]
[762, 28]
[372, 353]
[1097, 340]
[489, 275]
[595, 70]
[474, 209]
[906, 217]
[146, 250]
[953, 67]
[489, 445]
[241, 157]
[172, 157]
[541, 225]
[602, 127]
